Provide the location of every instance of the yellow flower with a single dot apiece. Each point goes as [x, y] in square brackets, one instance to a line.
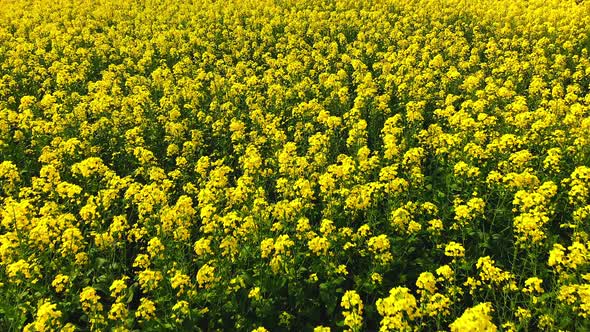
[578, 255]
[260, 329]
[19, 268]
[149, 279]
[398, 309]
[435, 226]
[475, 319]
[454, 249]
[353, 312]
[556, 256]
[118, 312]
[254, 293]
[313, 278]
[202, 246]
[426, 282]
[523, 314]
[47, 318]
[488, 272]
[206, 275]
[350, 300]
[89, 167]
[9, 175]
[321, 329]
[445, 272]
[181, 307]
[400, 218]
[72, 241]
[180, 311]
[509, 327]
[380, 246]
[282, 244]
[146, 309]
[319, 245]
[376, 278]
[89, 300]
[180, 280]
[60, 282]
[266, 247]
[118, 286]
[141, 261]
[533, 284]
[546, 322]
[155, 247]
[438, 304]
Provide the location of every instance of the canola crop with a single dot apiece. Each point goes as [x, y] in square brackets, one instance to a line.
[331, 165]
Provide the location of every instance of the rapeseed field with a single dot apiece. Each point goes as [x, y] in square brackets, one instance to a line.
[294, 165]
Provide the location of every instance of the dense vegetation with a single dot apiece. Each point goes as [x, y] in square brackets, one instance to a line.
[294, 165]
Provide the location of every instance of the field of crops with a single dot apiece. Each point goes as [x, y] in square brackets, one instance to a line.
[288, 165]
